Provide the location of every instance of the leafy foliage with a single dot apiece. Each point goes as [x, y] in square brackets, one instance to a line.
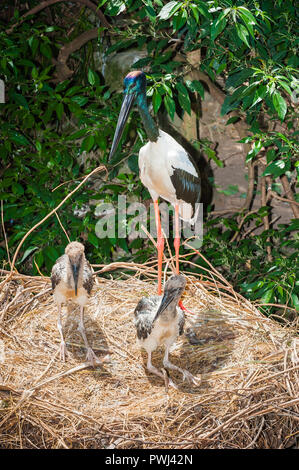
[53, 132]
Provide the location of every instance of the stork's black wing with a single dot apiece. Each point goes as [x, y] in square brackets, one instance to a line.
[58, 271]
[144, 315]
[181, 322]
[88, 279]
[187, 186]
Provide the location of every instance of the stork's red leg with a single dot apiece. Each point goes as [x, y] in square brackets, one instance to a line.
[177, 237]
[177, 248]
[160, 246]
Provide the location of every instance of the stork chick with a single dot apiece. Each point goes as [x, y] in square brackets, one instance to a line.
[71, 278]
[159, 321]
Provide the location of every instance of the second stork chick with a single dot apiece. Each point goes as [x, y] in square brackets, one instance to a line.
[72, 278]
[159, 321]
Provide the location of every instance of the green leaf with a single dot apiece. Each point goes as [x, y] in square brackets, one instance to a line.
[183, 97]
[80, 100]
[203, 8]
[91, 77]
[285, 86]
[195, 11]
[267, 296]
[275, 169]
[179, 20]
[18, 138]
[279, 104]
[62, 86]
[242, 33]
[20, 99]
[93, 239]
[259, 95]
[197, 86]
[157, 100]
[236, 79]
[73, 90]
[295, 301]
[77, 134]
[51, 253]
[29, 250]
[133, 163]
[228, 105]
[256, 147]
[212, 156]
[271, 154]
[230, 191]
[59, 110]
[170, 106]
[169, 9]
[46, 50]
[87, 143]
[33, 43]
[218, 26]
[232, 120]
[17, 189]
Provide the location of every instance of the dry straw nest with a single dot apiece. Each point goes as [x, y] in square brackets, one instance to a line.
[248, 397]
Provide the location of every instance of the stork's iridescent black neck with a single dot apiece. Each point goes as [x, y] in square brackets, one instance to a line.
[134, 90]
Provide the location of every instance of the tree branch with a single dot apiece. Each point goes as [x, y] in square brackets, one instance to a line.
[63, 71]
[289, 193]
[266, 217]
[48, 3]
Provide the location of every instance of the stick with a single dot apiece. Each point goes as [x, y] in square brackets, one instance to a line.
[4, 233]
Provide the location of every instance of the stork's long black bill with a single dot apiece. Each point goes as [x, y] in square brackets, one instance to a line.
[169, 296]
[122, 119]
[75, 270]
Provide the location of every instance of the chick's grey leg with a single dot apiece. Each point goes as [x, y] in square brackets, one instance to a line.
[154, 370]
[90, 356]
[63, 350]
[186, 375]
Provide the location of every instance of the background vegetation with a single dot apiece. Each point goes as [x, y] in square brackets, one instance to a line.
[58, 120]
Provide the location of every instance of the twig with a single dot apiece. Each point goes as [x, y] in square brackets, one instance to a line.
[284, 199]
[266, 217]
[85, 365]
[250, 188]
[149, 236]
[4, 233]
[226, 211]
[289, 193]
[214, 270]
[278, 305]
[63, 71]
[241, 223]
[58, 218]
[257, 434]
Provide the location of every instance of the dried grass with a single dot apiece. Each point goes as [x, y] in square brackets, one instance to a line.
[248, 397]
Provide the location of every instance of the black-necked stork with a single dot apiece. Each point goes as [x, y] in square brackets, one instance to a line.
[72, 278]
[166, 169]
[159, 320]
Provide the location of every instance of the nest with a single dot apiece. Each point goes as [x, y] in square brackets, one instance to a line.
[248, 363]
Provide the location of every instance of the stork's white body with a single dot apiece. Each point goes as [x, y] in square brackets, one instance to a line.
[65, 288]
[164, 330]
[157, 163]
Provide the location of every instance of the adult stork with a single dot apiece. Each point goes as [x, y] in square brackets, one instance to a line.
[166, 169]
